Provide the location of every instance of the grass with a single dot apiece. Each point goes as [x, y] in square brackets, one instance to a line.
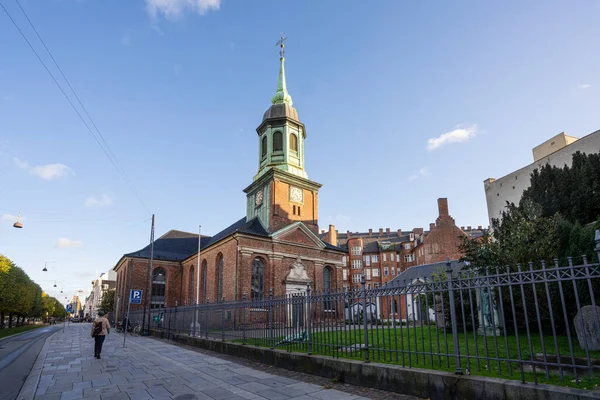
[13, 331]
[430, 348]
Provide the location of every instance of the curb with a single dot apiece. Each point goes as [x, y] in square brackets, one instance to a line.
[19, 334]
[27, 392]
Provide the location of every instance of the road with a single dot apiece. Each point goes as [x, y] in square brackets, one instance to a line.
[17, 356]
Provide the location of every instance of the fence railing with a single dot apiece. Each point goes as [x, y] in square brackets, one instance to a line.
[532, 322]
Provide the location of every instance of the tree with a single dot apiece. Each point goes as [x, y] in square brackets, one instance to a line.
[108, 301]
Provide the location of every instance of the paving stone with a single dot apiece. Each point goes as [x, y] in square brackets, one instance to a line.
[72, 395]
[254, 387]
[82, 385]
[218, 393]
[59, 388]
[272, 395]
[139, 394]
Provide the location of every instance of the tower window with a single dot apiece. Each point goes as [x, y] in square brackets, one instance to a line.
[293, 142]
[264, 145]
[278, 141]
[294, 210]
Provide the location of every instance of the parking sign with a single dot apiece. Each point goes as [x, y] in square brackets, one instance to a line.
[69, 308]
[135, 297]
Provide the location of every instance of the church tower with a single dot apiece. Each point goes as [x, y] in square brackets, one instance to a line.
[281, 192]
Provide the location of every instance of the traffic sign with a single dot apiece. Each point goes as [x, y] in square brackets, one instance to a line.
[135, 296]
[69, 308]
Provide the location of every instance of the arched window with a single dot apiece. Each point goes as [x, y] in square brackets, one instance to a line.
[192, 291]
[327, 274]
[277, 141]
[293, 142]
[219, 276]
[204, 280]
[159, 286]
[258, 280]
[264, 145]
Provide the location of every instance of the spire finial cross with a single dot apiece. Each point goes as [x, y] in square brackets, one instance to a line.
[281, 45]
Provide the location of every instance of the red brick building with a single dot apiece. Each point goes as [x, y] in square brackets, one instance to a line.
[383, 255]
[274, 246]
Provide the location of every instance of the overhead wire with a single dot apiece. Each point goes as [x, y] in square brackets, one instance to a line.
[105, 148]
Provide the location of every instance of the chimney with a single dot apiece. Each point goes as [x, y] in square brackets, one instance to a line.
[479, 227]
[399, 232]
[332, 235]
[431, 226]
[462, 228]
[387, 230]
[370, 231]
[380, 230]
[468, 228]
[443, 207]
[322, 231]
[347, 234]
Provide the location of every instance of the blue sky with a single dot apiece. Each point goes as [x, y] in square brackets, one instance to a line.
[404, 102]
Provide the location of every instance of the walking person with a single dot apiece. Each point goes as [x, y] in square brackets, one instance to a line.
[100, 328]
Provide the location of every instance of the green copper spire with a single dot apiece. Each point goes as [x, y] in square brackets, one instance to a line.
[281, 96]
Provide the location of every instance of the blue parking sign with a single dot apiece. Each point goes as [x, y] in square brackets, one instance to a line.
[135, 296]
[69, 308]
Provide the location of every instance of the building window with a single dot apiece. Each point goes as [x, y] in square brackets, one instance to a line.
[192, 285]
[159, 286]
[409, 257]
[375, 258]
[385, 271]
[258, 280]
[384, 257]
[376, 285]
[327, 275]
[204, 279]
[344, 260]
[356, 264]
[397, 257]
[293, 142]
[219, 276]
[264, 146]
[277, 141]
[375, 272]
[345, 274]
[393, 271]
[368, 274]
[407, 246]
[356, 250]
[356, 278]
[367, 260]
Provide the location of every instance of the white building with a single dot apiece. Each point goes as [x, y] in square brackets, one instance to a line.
[556, 151]
[105, 282]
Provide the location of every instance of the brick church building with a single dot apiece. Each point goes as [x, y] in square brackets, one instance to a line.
[274, 246]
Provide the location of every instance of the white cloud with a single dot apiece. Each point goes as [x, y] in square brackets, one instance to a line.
[585, 86]
[423, 172]
[64, 243]
[126, 40]
[458, 135]
[47, 172]
[9, 217]
[101, 202]
[173, 9]
[178, 69]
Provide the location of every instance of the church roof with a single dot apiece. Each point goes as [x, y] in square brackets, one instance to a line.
[178, 245]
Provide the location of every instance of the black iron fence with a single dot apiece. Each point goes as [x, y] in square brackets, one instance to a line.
[531, 322]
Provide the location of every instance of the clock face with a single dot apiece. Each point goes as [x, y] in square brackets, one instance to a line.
[258, 198]
[296, 194]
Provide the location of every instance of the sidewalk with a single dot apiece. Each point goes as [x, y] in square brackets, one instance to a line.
[151, 369]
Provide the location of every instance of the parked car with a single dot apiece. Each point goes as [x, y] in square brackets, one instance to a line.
[75, 319]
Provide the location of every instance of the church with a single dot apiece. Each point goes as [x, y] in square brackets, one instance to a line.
[275, 247]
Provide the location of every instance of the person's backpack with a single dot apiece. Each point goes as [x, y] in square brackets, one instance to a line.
[97, 328]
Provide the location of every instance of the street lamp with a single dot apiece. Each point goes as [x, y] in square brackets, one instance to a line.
[45, 267]
[18, 224]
